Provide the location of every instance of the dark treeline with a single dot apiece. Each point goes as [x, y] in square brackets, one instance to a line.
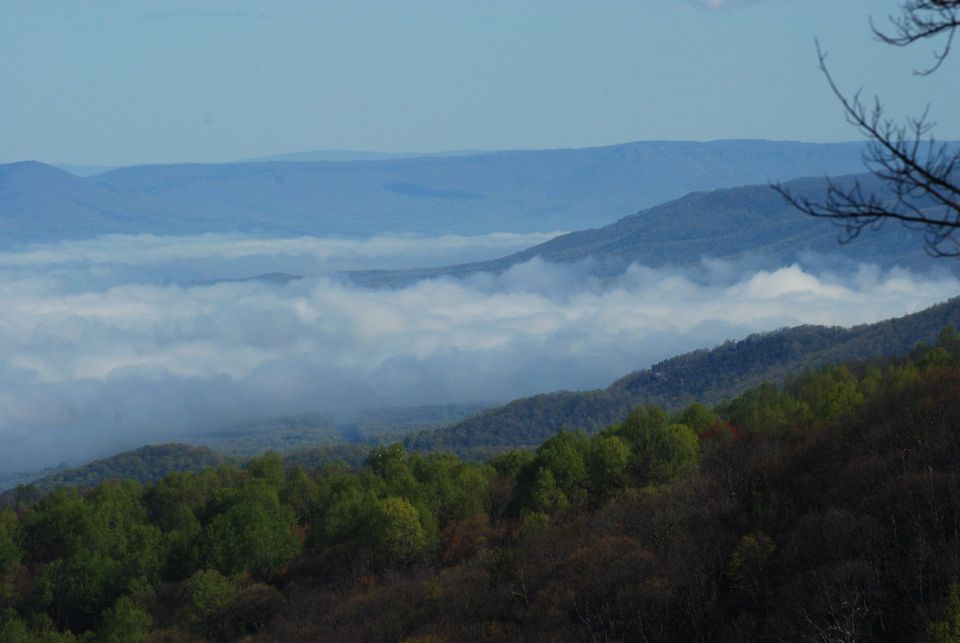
[827, 509]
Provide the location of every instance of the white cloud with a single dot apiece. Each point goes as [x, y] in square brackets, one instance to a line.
[97, 347]
[113, 259]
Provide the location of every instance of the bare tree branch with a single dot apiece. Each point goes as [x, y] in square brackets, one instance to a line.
[920, 20]
[919, 177]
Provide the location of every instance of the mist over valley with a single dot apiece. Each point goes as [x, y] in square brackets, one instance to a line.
[118, 341]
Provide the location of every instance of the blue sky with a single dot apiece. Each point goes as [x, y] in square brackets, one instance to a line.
[133, 81]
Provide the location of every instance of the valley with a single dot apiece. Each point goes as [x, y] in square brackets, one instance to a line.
[373, 322]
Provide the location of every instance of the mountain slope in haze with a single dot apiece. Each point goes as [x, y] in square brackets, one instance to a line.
[707, 376]
[146, 464]
[40, 202]
[520, 191]
[355, 155]
[724, 224]
[84, 170]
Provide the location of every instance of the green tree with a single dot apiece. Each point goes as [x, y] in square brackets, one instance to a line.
[661, 451]
[301, 493]
[698, 417]
[546, 496]
[830, 394]
[255, 533]
[641, 424]
[400, 539]
[9, 551]
[609, 464]
[564, 456]
[268, 467]
[125, 622]
[674, 451]
[766, 410]
[209, 596]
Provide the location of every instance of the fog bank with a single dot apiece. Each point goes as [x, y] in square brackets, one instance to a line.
[120, 341]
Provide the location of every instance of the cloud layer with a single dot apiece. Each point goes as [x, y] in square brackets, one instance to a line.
[106, 345]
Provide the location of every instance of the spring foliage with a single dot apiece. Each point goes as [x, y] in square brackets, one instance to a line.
[826, 509]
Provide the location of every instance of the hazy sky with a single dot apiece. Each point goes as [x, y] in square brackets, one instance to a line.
[128, 81]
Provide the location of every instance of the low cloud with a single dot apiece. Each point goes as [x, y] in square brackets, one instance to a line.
[101, 349]
[145, 258]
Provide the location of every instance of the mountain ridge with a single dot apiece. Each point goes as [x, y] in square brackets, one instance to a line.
[707, 375]
[729, 223]
[509, 191]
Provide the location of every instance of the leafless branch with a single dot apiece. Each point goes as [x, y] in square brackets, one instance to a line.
[918, 175]
[921, 20]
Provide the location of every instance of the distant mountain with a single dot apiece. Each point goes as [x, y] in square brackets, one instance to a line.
[40, 203]
[283, 434]
[145, 464]
[311, 431]
[84, 170]
[519, 191]
[707, 376]
[275, 278]
[78, 169]
[726, 224]
[377, 426]
[353, 155]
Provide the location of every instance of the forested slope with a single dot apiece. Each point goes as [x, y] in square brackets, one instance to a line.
[751, 221]
[709, 375]
[824, 510]
[146, 464]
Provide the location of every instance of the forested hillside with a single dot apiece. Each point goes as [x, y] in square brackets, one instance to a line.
[308, 440]
[146, 464]
[824, 510]
[708, 375]
[750, 221]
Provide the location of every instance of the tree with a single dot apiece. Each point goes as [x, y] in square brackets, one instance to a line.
[9, 551]
[209, 595]
[254, 533]
[916, 180]
[609, 462]
[124, 622]
[400, 538]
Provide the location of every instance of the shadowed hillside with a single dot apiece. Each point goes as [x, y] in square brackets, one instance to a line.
[707, 376]
[751, 221]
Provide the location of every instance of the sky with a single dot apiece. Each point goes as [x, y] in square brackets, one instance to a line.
[113, 82]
